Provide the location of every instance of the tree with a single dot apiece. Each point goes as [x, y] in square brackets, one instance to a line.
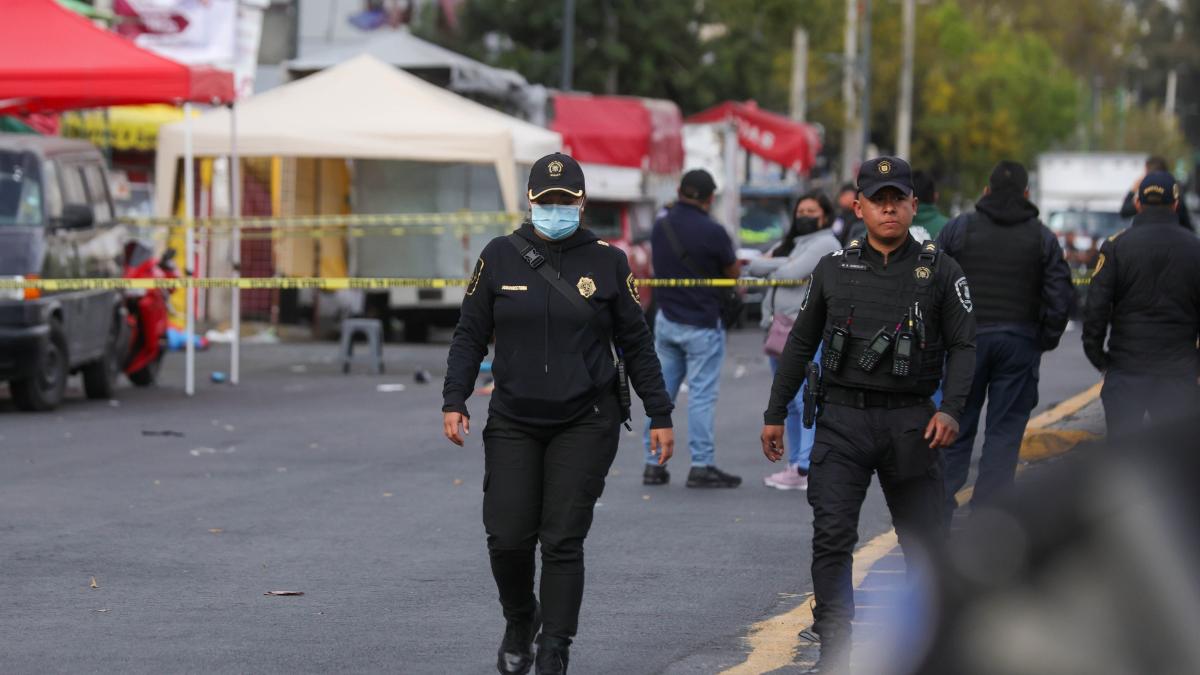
[621, 46]
[985, 94]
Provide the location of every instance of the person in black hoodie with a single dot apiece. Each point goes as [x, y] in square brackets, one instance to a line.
[559, 302]
[1022, 292]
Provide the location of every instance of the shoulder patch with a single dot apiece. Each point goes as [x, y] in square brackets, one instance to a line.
[964, 293]
[474, 283]
[602, 242]
[1114, 236]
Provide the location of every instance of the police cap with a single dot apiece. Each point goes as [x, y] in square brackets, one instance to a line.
[882, 172]
[1158, 188]
[555, 172]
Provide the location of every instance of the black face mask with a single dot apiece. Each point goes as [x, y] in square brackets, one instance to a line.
[802, 225]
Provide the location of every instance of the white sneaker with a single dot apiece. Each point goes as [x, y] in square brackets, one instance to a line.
[787, 479]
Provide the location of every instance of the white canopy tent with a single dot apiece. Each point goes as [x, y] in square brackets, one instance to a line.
[364, 109]
[402, 49]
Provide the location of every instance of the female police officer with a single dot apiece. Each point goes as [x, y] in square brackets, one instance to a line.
[557, 299]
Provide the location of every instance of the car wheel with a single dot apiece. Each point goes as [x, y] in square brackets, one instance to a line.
[44, 389]
[147, 376]
[100, 376]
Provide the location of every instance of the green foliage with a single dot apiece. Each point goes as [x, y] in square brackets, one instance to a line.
[992, 80]
[986, 95]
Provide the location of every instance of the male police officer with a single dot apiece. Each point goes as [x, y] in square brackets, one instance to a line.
[891, 311]
[1145, 299]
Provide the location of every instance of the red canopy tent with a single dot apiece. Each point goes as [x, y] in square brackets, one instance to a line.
[53, 59]
[620, 131]
[768, 135]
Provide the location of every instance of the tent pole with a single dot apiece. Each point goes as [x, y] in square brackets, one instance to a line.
[235, 207]
[189, 214]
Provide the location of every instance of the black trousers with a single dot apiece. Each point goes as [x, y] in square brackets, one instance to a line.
[851, 445]
[541, 485]
[1128, 397]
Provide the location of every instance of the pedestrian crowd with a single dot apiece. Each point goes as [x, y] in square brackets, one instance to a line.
[897, 332]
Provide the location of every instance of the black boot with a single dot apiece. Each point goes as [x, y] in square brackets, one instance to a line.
[516, 650]
[655, 475]
[553, 655]
[834, 658]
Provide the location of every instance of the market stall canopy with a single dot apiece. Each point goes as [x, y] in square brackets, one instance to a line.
[53, 59]
[773, 137]
[402, 49]
[620, 131]
[362, 109]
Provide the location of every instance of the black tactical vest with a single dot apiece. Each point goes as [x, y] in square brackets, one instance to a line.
[1004, 264]
[881, 302]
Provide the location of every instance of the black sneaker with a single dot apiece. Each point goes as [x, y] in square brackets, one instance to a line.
[516, 650]
[656, 475]
[711, 477]
[553, 655]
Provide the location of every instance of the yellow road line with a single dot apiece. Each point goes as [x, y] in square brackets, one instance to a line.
[774, 641]
[1066, 408]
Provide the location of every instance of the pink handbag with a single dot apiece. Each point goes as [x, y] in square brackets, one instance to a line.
[777, 334]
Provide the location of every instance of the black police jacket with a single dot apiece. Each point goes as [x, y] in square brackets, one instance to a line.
[882, 290]
[1144, 298]
[551, 366]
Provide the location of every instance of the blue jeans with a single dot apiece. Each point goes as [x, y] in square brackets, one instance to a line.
[694, 353]
[799, 439]
[1006, 376]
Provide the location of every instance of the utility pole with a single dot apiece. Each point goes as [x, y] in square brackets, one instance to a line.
[568, 44]
[865, 69]
[799, 74]
[904, 113]
[851, 136]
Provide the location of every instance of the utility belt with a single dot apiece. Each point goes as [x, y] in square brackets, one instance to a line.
[868, 398]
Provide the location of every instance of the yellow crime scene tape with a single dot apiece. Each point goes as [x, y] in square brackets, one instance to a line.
[346, 283]
[335, 283]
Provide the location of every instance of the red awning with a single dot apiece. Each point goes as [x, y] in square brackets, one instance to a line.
[770, 136]
[53, 59]
[620, 131]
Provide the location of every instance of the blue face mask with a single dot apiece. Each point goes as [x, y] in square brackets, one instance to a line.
[555, 221]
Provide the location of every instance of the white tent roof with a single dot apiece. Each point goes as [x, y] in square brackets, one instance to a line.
[362, 108]
[402, 49]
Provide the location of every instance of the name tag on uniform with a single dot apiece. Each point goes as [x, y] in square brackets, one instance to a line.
[854, 266]
[514, 288]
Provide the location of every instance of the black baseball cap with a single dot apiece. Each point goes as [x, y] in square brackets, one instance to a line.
[697, 184]
[555, 172]
[1158, 188]
[881, 172]
[1008, 177]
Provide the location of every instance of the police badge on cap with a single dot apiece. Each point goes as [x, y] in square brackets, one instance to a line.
[555, 172]
[882, 172]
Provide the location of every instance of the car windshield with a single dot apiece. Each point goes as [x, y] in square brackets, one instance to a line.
[604, 219]
[20, 189]
[763, 222]
[1091, 223]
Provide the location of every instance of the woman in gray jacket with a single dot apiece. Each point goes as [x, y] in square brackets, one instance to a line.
[794, 257]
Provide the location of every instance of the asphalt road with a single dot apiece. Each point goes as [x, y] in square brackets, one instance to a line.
[305, 479]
